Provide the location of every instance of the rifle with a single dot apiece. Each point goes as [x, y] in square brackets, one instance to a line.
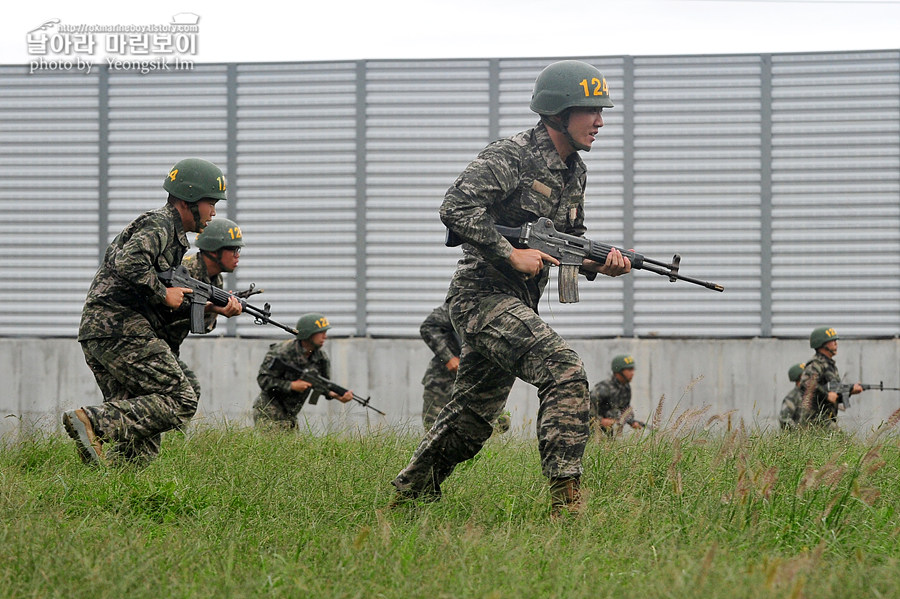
[249, 291]
[843, 390]
[204, 292]
[320, 384]
[570, 250]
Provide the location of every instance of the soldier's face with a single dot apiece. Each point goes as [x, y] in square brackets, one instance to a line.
[831, 346]
[584, 124]
[627, 374]
[229, 258]
[207, 210]
[318, 339]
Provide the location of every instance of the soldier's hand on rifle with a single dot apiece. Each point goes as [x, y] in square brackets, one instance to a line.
[616, 264]
[175, 296]
[233, 308]
[607, 422]
[635, 424]
[530, 262]
[857, 389]
[300, 385]
[832, 396]
[348, 396]
[453, 364]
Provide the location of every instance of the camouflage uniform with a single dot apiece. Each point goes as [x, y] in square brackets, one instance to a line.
[494, 307]
[277, 406]
[123, 330]
[790, 409]
[609, 399]
[437, 332]
[177, 332]
[815, 409]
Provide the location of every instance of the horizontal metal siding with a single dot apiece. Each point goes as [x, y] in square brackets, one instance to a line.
[155, 121]
[697, 193]
[48, 200]
[296, 189]
[600, 310]
[425, 121]
[836, 193]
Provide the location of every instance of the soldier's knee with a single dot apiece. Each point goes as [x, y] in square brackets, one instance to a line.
[564, 371]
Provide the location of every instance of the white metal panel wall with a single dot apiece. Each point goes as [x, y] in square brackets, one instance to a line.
[296, 187]
[425, 121]
[154, 121]
[836, 193]
[600, 311]
[697, 192]
[48, 200]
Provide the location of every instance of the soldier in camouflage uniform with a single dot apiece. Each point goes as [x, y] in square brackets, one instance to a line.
[494, 294]
[611, 398]
[437, 332]
[220, 245]
[790, 406]
[819, 405]
[281, 395]
[123, 324]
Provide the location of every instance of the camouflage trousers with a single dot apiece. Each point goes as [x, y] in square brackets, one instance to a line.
[510, 341]
[270, 414]
[147, 390]
[434, 398]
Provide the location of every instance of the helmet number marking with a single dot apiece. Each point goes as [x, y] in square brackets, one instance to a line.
[321, 323]
[599, 85]
[235, 232]
[221, 181]
[173, 173]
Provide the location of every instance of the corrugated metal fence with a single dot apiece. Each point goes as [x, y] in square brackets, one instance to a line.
[777, 176]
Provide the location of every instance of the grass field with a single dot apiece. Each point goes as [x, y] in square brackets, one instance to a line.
[680, 512]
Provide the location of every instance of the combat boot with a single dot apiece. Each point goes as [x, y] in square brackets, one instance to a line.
[565, 497]
[79, 427]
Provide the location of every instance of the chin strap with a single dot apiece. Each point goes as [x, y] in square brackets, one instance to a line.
[560, 122]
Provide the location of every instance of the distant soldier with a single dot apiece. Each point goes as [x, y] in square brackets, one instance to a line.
[282, 395]
[611, 398]
[790, 405]
[437, 332]
[123, 325]
[220, 245]
[819, 405]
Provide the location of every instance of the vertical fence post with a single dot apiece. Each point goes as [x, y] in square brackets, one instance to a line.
[628, 189]
[765, 195]
[361, 308]
[102, 161]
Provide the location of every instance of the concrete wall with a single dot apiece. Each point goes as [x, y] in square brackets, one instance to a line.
[43, 377]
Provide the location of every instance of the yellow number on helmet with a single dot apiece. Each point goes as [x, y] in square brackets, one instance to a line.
[173, 173]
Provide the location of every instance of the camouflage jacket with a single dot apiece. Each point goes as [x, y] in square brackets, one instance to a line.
[610, 398]
[513, 181]
[790, 408]
[437, 332]
[275, 383]
[815, 407]
[177, 331]
[126, 299]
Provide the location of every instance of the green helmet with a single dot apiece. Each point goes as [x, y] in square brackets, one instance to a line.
[821, 336]
[310, 324]
[566, 84]
[622, 362]
[194, 179]
[795, 371]
[220, 233]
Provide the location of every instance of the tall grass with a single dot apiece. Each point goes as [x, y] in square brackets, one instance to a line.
[678, 512]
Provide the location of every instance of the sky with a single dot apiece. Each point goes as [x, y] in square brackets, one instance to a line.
[381, 29]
